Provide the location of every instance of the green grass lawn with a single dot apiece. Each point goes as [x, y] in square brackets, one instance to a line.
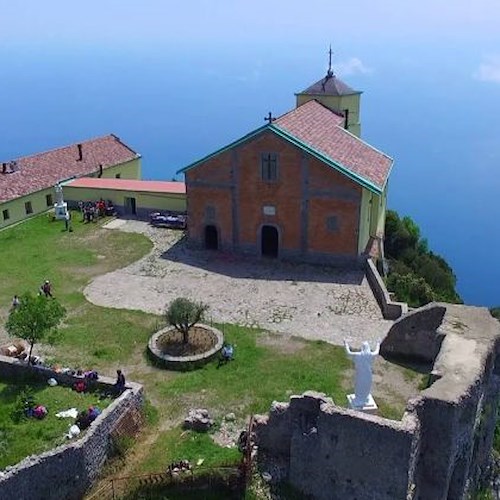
[91, 336]
[27, 436]
[257, 376]
[266, 367]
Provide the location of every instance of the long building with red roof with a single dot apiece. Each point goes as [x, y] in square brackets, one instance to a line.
[129, 197]
[27, 183]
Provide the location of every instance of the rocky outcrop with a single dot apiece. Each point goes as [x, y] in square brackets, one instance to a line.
[198, 420]
[416, 336]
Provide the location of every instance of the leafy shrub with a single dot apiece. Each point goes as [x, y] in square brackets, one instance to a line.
[24, 401]
[121, 444]
[416, 274]
[495, 312]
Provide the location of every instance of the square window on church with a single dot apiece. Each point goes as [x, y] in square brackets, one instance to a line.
[269, 167]
[332, 223]
[210, 212]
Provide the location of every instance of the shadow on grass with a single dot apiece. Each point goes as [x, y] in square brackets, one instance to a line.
[411, 364]
[11, 391]
[218, 484]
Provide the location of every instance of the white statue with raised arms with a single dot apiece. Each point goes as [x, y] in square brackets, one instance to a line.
[363, 360]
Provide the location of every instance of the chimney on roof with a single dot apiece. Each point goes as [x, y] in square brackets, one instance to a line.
[346, 121]
[80, 154]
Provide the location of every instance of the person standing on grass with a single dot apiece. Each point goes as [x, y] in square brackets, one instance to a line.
[47, 289]
[66, 220]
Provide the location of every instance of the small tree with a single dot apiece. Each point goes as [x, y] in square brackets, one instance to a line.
[183, 313]
[34, 318]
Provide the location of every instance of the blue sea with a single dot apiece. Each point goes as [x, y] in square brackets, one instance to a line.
[177, 104]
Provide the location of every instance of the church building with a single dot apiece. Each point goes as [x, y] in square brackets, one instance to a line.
[304, 186]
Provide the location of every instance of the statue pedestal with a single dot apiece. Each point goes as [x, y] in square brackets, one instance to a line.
[60, 210]
[369, 407]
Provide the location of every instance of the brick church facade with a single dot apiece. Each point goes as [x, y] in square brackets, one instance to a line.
[302, 187]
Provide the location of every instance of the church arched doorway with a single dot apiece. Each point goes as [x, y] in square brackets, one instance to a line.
[211, 238]
[269, 241]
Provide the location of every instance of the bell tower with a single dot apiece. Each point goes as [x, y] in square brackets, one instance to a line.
[336, 95]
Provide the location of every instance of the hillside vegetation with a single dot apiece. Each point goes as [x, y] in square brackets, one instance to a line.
[495, 312]
[416, 274]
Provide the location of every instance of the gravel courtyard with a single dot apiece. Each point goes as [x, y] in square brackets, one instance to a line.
[308, 301]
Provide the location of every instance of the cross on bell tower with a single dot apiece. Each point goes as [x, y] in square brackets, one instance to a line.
[335, 95]
[329, 73]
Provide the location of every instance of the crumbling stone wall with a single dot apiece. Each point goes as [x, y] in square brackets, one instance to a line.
[390, 309]
[68, 470]
[457, 420]
[441, 450]
[334, 453]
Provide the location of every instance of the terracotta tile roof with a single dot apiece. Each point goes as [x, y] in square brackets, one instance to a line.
[128, 185]
[43, 170]
[321, 129]
[330, 85]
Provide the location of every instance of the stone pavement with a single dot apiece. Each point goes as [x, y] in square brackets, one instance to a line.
[315, 302]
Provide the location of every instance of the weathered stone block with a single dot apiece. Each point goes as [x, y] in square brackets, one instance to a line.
[416, 335]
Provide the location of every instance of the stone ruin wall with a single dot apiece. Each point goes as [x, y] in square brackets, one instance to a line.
[335, 453]
[456, 437]
[440, 450]
[71, 469]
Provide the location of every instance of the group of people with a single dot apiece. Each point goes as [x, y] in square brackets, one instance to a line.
[85, 383]
[181, 466]
[91, 210]
[45, 289]
[33, 410]
[86, 417]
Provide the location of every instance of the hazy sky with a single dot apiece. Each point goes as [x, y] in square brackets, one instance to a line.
[438, 32]
[222, 21]
[148, 70]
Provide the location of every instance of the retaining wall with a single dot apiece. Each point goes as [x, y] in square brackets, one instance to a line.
[390, 309]
[184, 363]
[67, 471]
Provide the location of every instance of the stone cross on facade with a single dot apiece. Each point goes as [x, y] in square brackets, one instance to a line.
[269, 118]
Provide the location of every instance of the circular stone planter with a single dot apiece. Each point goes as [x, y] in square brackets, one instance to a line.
[183, 363]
